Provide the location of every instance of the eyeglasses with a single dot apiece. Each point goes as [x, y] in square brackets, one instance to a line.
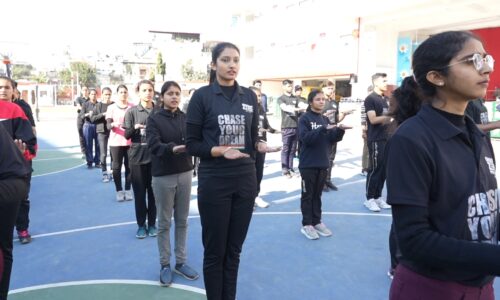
[478, 60]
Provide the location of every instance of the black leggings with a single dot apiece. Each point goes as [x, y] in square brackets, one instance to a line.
[103, 147]
[141, 182]
[119, 155]
[226, 206]
[12, 192]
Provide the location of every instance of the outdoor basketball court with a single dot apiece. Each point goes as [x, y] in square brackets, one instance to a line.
[84, 244]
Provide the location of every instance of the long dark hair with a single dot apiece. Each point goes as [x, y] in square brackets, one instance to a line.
[216, 52]
[434, 54]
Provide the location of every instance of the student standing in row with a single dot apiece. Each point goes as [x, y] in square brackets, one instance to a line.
[376, 107]
[140, 159]
[23, 220]
[119, 144]
[13, 189]
[222, 129]
[92, 153]
[441, 176]
[260, 158]
[172, 176]
[99, 119]
[79, 101]
[317, 136]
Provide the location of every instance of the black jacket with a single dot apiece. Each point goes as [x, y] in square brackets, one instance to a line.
[99, 117]
[164, 131]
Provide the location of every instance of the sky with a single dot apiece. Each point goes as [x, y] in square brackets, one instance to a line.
[42, 29]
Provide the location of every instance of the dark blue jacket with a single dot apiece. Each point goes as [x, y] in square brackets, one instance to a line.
[316, 140]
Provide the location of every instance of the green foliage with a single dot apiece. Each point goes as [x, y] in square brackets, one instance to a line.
[161, 67]
[21, 71]
[40, 77]
[86, 73]
[64, 76]
[190, 74]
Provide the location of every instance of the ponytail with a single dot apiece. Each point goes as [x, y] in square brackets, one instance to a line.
[405, 101]
[212, 77]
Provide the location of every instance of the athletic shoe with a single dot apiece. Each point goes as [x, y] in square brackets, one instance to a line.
[165, 276]
[152, 231]
[382, 204]
[364, 173]
[120, 196]
[326, 189]
[390, 273]
[24, 237]
[105, 177]
[293, 173]
[89, 166]
[322, 230]
[110, 176]
[186, 272]
[372, 205]
[141, 232]
[129, 196]
[309, 232]
[261, 203]
[287, 174]
[331, 186]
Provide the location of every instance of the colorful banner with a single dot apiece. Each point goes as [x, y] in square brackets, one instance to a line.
[404, 59]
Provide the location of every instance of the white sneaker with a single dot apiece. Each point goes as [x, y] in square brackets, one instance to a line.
[372, 205]
[128, 195]
[382, 204]
[322, 230]
[120, 196]
[261, 203]
[309, 232]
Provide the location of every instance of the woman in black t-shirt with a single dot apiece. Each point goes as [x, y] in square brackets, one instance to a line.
[441, 175]
[222, 129]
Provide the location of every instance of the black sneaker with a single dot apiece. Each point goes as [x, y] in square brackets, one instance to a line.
[165, 276]
[24, 237]
[186, 272]
[331, 186]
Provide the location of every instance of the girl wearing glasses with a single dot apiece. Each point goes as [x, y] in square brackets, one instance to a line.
[441, 175]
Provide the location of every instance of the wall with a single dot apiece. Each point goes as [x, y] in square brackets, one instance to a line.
[491, 40]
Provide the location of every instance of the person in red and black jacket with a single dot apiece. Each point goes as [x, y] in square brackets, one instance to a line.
[13, 189]
[23, 220]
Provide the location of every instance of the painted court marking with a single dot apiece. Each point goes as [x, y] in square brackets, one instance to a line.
[108, 281]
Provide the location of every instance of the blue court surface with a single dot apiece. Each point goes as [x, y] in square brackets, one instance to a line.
[84, 244]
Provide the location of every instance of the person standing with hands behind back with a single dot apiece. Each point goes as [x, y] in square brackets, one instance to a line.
[140, 159]
[441, 175]
[222, 129]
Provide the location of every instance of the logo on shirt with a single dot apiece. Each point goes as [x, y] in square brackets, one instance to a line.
[315, 125]
[232, 130]
[491, 165]
[247, 108]
[482, 216]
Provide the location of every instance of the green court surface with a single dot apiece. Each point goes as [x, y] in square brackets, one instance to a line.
[56, 160]
[107, 291]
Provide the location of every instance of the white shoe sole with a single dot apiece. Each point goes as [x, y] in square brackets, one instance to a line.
[324, 234]
[307, 236]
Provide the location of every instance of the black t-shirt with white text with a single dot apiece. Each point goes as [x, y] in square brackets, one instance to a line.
[379, 104]
[222, 121]
[432, 164]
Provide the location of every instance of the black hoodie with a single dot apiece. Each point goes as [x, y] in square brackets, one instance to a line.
[316, 140]
[164, 131]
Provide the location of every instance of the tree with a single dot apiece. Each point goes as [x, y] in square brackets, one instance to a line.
[21, 71]
[64, 76]
[189, 73]
[161, 67]
[40, 77]
[86, 73]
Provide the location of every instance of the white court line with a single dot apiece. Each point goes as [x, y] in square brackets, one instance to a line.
[196, 217]
[60, 171]
[108, 281]
[293, 198]
[73, 156]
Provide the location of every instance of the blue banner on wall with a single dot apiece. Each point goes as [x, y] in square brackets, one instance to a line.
[404, 59]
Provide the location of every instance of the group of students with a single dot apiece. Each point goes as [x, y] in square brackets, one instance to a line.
[440, 171]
